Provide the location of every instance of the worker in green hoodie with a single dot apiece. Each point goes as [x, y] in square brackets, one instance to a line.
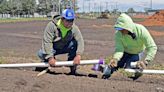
[131, 40]
[62, 36]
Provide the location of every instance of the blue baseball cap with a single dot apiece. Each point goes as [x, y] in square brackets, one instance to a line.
[68, 14]
[118, 28]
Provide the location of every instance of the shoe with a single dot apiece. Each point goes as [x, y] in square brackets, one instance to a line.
[39, 69]
[72, 70]
[106, 72]
[136, 75]
[72, 73]
[76, 74]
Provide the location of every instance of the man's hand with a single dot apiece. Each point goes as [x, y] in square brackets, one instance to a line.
[52, 61]
[141, 64]
[113, 63]
[77, 59]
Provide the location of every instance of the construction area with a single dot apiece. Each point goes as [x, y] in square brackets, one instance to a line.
[20, 41]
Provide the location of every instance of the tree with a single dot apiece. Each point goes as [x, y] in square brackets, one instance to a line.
[28, 6]
[13, 6]
[4, 7]
[130, 10]
[46, 6]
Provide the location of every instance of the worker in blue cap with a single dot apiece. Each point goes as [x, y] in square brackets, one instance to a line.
[62, 36]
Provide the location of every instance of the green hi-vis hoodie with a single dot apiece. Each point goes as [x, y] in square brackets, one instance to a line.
[125, 43]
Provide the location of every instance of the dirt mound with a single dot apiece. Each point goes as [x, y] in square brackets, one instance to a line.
[156, 33]
[156, 19]
[102, 26]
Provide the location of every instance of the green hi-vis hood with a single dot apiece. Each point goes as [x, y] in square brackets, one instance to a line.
[125, 22]
[125, 43]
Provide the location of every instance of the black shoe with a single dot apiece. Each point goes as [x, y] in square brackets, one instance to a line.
[72, 70]
[107, 71]
[39, 69]
[76, 74]
[106, 76]
[136, 76]
[72, 73]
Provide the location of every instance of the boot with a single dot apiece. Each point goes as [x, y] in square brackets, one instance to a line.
[72, 70]
[106, 72]
[39, 69]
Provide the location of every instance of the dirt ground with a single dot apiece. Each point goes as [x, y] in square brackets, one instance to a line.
[157, 18]
[19, 43]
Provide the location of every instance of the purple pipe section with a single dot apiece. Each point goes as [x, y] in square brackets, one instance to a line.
[101, 61]
[96, 67]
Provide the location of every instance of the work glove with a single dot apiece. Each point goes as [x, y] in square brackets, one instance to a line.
[142, 64]
[52, 61]
[113, 63]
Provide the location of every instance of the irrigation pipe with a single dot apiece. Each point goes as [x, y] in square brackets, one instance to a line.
[60, 63]
[133, 65]
[145, 71]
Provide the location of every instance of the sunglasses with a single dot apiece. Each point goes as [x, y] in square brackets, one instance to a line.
[69, 20]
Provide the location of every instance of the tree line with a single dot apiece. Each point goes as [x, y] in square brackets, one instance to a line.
[29, 7]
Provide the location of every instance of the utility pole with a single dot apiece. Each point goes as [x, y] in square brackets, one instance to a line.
[74, 5]
[94, 6]
[100, 7]
[95, 9]
[116, 5]
[59, 3]
[151, 3]
[83, 6]
[89, 7]
[106, 5]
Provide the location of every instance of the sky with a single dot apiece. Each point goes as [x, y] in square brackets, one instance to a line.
[122, 5]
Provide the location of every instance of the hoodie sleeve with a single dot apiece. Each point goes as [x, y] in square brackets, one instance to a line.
[150, 45]
[79, 38]
[119, 49]
[47, 45]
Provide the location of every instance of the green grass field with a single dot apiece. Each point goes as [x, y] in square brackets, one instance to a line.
[4, 20]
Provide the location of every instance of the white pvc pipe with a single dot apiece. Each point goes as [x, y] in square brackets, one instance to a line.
[145, 71]
[60, 63]
[133, 64]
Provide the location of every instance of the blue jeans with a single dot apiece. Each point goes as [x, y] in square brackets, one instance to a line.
[127, 59]
[70, 48]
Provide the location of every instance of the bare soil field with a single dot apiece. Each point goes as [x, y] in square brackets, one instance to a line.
[19, 43]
